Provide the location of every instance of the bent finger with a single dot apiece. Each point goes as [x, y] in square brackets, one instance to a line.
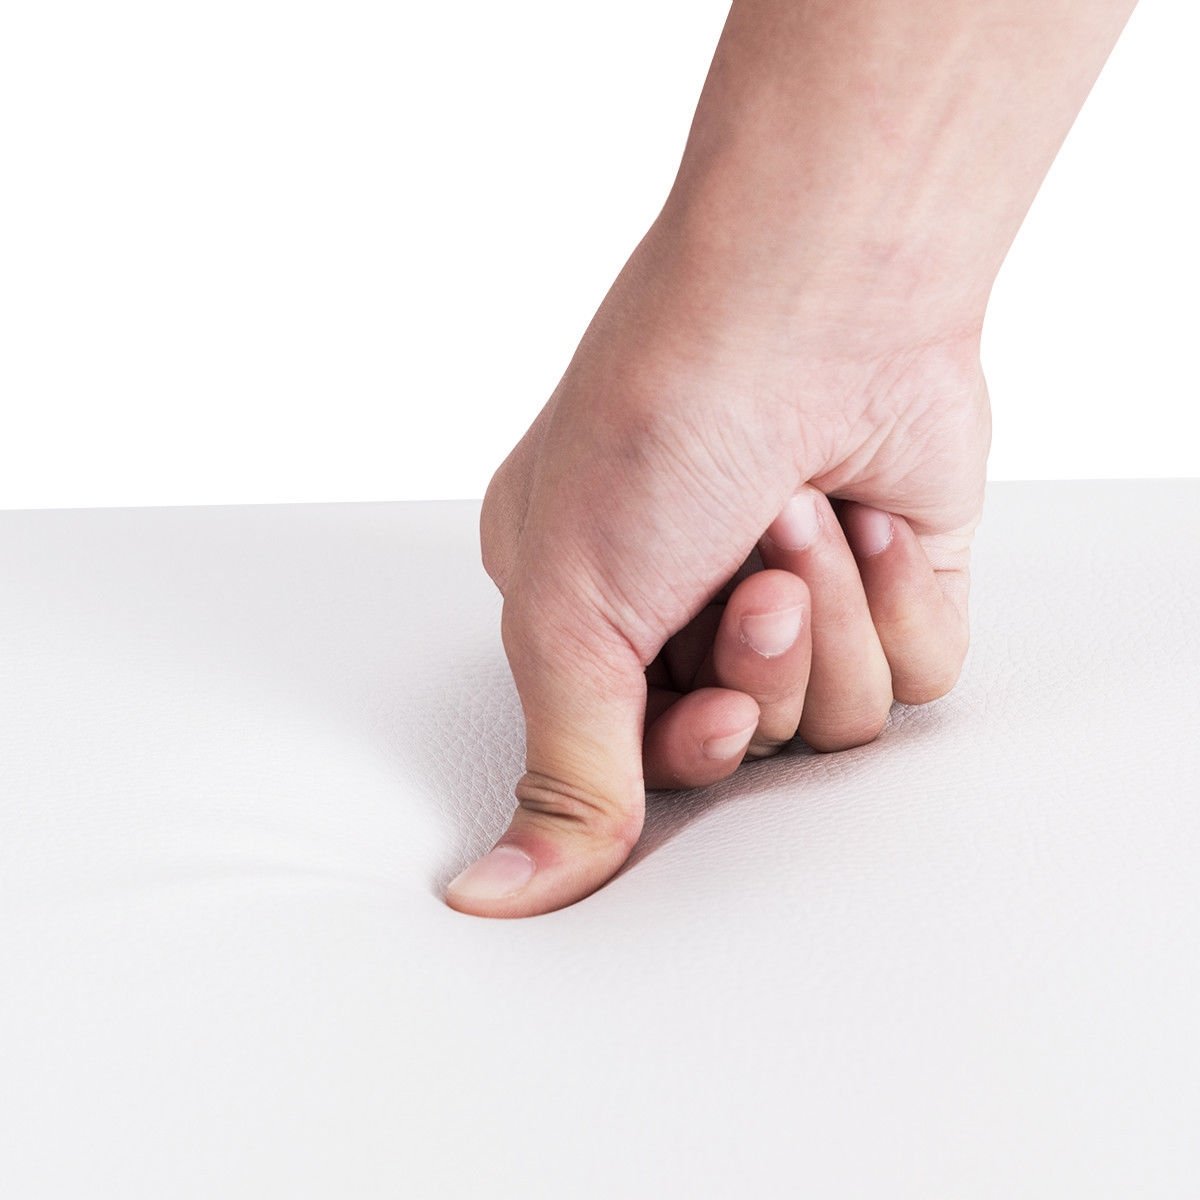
[763, 648]
[699, 739]
[850, 687]
[920, 616]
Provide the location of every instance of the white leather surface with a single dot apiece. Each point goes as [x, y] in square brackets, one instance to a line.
[240, 748]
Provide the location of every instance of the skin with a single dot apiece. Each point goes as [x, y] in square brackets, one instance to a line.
[774, 432]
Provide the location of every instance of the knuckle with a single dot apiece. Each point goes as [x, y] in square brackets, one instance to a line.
[927, 687]
[492, 560]
[786, 694]
[907, 625]
[495, 541]
[830, 736]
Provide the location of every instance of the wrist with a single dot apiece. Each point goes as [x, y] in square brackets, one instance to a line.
[847, 281]
[872, 162]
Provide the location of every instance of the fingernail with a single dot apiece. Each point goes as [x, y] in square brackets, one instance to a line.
[501, 872]
[871, 531]
[797, 526]
[770, 634]
[729, 746]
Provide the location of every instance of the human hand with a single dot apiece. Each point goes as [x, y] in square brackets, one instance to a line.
[686, 445]
[801, 322]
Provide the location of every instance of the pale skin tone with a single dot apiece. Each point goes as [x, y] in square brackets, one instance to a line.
[746, 512]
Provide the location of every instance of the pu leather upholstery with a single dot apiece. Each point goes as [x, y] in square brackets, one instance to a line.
[241, 749]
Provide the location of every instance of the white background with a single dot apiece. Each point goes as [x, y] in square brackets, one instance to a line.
[255, 251]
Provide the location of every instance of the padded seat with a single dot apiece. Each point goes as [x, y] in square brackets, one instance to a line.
[241, 749]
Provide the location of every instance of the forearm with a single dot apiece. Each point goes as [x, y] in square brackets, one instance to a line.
[884, 151]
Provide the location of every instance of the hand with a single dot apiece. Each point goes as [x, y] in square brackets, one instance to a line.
[683, 438]
[802, 322]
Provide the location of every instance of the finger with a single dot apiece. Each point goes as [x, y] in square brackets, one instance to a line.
[581, 800]
[919, 614]
[691, 648]
[850, 684]
[700, 739]
[763, 648]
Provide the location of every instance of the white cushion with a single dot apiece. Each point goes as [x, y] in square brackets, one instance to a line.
[241, 749]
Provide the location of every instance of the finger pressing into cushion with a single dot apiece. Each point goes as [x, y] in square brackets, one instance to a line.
[850, 686]
[919, 616]
[581, 799]
[699, 739]
[763, 648]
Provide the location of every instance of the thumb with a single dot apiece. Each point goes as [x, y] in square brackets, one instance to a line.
[581, 801]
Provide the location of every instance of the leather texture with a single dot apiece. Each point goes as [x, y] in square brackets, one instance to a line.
[242, 748]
